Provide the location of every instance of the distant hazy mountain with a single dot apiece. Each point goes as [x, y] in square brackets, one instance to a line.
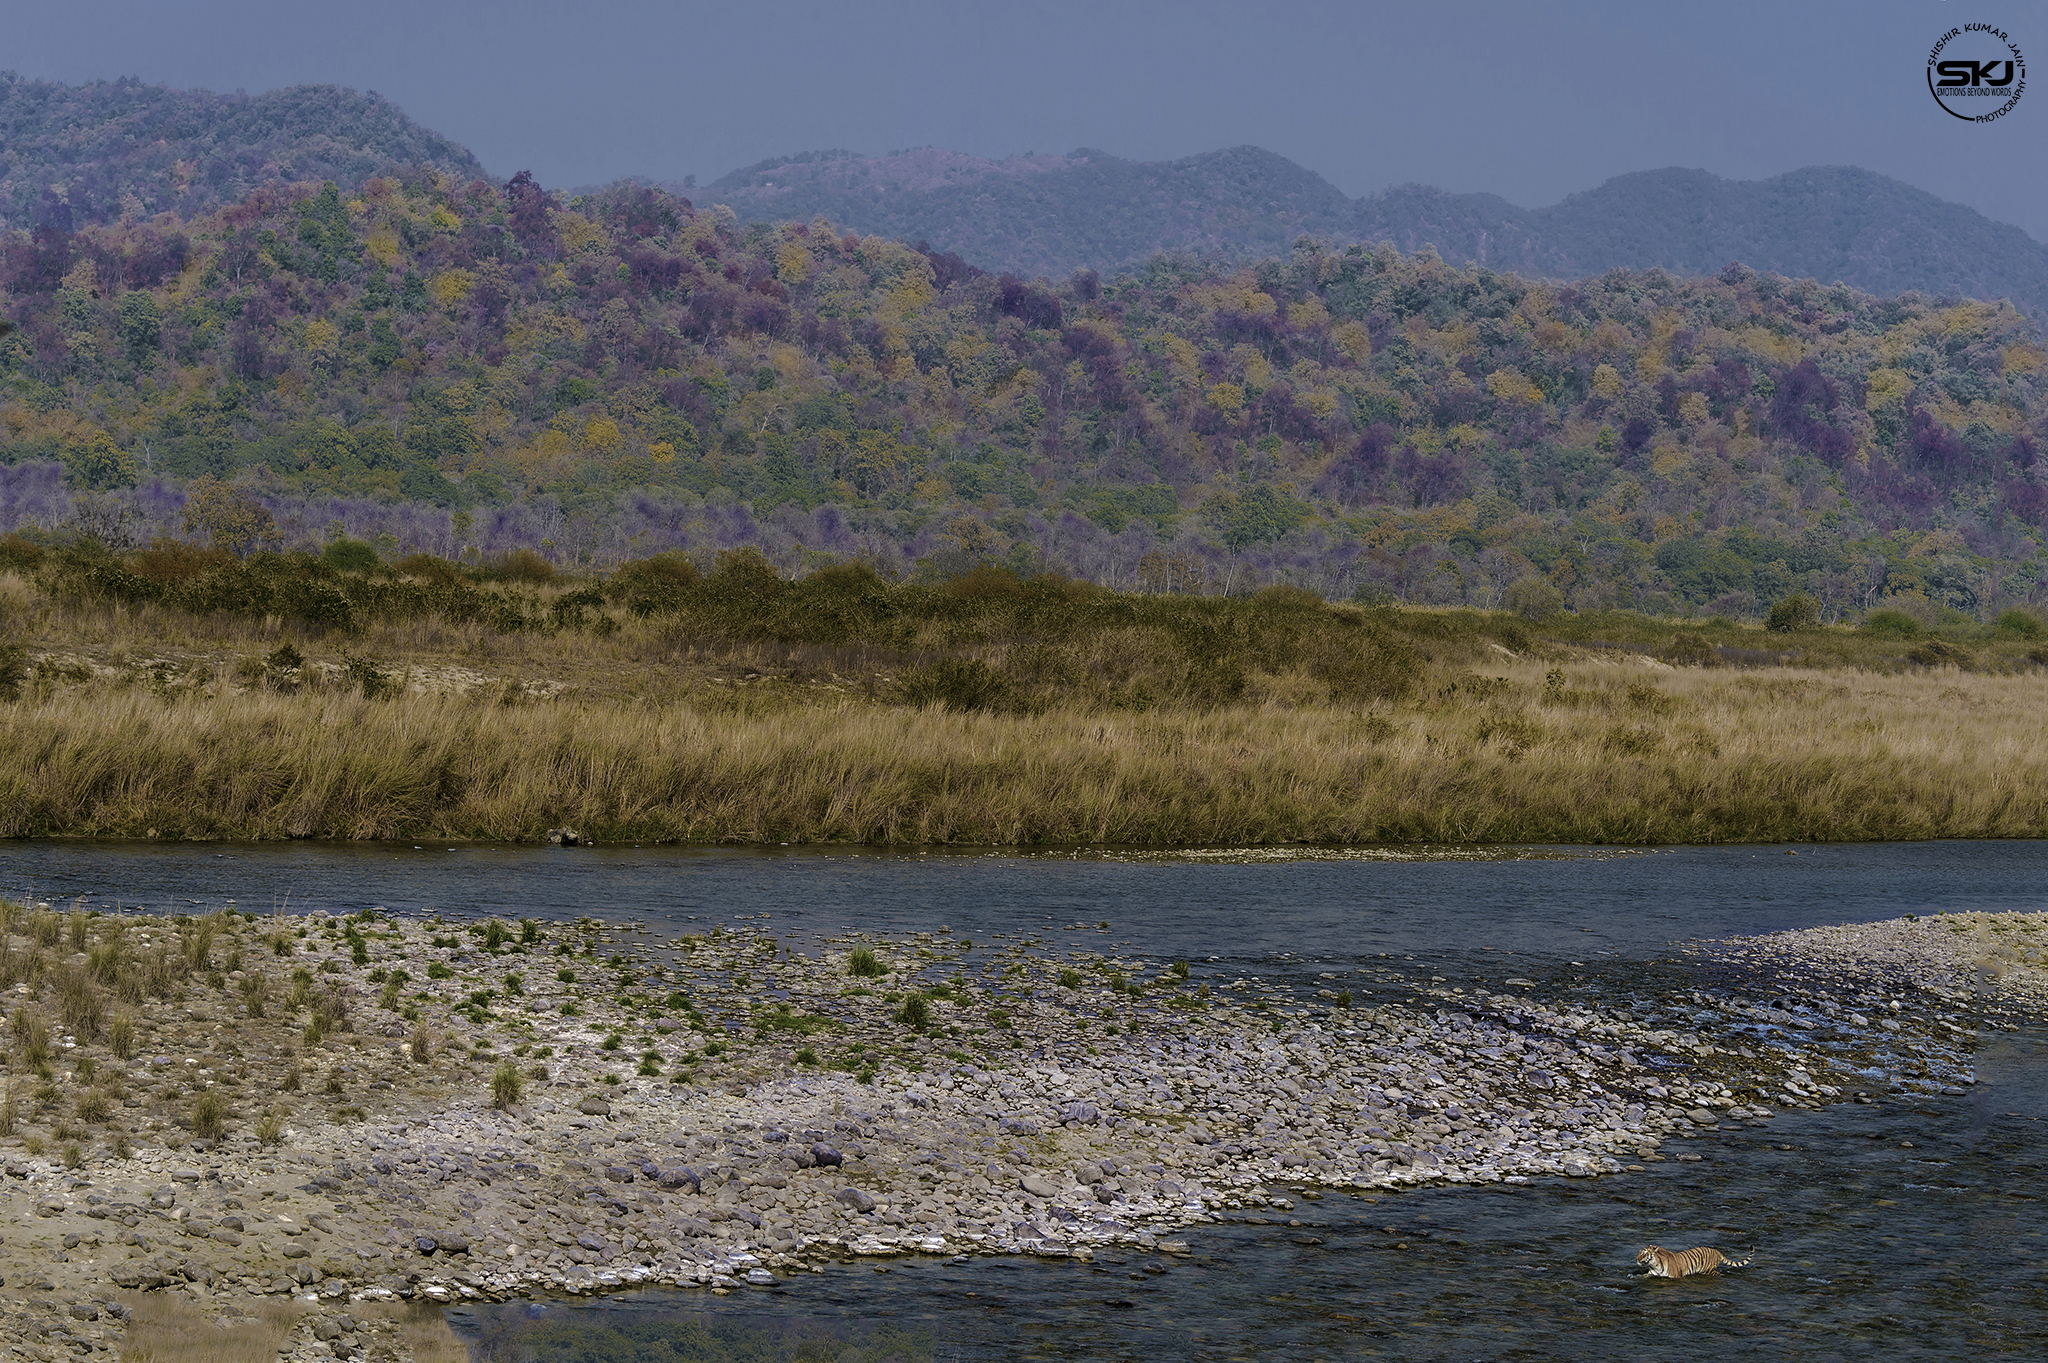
[1052, 214]
[110, 145]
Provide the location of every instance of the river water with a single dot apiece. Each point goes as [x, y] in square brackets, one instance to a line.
[1909, 1228]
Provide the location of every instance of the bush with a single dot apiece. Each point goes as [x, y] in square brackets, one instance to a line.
[1937, 653]
[2018, 624]
[521, 565]
[1070, 979]
[121, 1036]
[345, 555]
[209, 1116]
[864, 963]
[915, 1013]
[421, 1044]
[1891, 624]
[1796, 612]
[956, 684]
[1534, 598]
[506, 1085]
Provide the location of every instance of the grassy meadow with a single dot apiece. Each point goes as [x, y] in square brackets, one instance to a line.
[992, 711]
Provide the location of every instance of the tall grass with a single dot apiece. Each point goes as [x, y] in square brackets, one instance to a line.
[167, 1327]
[1593, 753]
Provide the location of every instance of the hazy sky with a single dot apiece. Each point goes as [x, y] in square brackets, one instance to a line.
[1529, 100]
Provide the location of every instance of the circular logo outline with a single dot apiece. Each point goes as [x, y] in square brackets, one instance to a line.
[2019, 76]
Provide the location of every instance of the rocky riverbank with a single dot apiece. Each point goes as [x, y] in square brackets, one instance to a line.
[348, 1111]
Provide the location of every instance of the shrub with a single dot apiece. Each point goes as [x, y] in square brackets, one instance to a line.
[529, 931]
[1939, 653]
[32, 1035]
[495, 935]
[863, 962]
[915, 1013]
[1796, 612]
[121, 1036]
[956, 684]
[421, 1044]
[506, 1085]
[521, 565]
[1690, 648]
[1343, 998]
[270, 1127]
[209, 1116]
[351, 556]
[368, 678]
[94, 1106]
[440, 971]
[1070, 979]
[2018, 624]
[1534, 598]
[1891, 624]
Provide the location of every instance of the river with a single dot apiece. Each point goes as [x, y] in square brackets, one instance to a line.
[1910, 1227]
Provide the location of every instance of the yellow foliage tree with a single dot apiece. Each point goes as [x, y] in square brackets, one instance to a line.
[1354, 340]
[1606, 382]
[601, 435]
[228, 515]
[793, 262]
[1511, 385]
[1227, 398]
[1692, 408]
[451, 286]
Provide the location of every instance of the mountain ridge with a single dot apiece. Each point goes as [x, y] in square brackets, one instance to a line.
[1049, 215]
[104, 149]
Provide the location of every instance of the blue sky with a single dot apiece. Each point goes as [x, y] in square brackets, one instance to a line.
[1530, 101]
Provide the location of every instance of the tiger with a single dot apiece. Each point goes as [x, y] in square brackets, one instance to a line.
[1664, 1263]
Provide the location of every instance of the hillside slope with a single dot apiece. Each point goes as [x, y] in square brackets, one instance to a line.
[432, 364]
[110, 147]
[1050, 215]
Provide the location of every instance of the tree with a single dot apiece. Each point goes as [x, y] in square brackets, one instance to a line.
[1534, 598]
[95, 461]
[1796, 612]
[229, 516]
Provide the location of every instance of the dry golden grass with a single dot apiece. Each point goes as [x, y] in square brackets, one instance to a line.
[169, 1327]
[423, 1328]
[1599, 753]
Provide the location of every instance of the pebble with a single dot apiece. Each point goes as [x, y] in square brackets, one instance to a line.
[1068, 1140]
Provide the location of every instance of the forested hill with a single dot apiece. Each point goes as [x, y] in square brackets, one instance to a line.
[108, 148]
[432, 363]
[1053, 214]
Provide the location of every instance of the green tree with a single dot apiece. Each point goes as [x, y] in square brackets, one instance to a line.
[95, 461]
[228, 515]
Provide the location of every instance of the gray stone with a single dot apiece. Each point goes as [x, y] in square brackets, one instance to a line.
[854, 1198]
[594, 1107]
[425, 1244]
[1037, 1187]
[185, 1176]
[826, 1156]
